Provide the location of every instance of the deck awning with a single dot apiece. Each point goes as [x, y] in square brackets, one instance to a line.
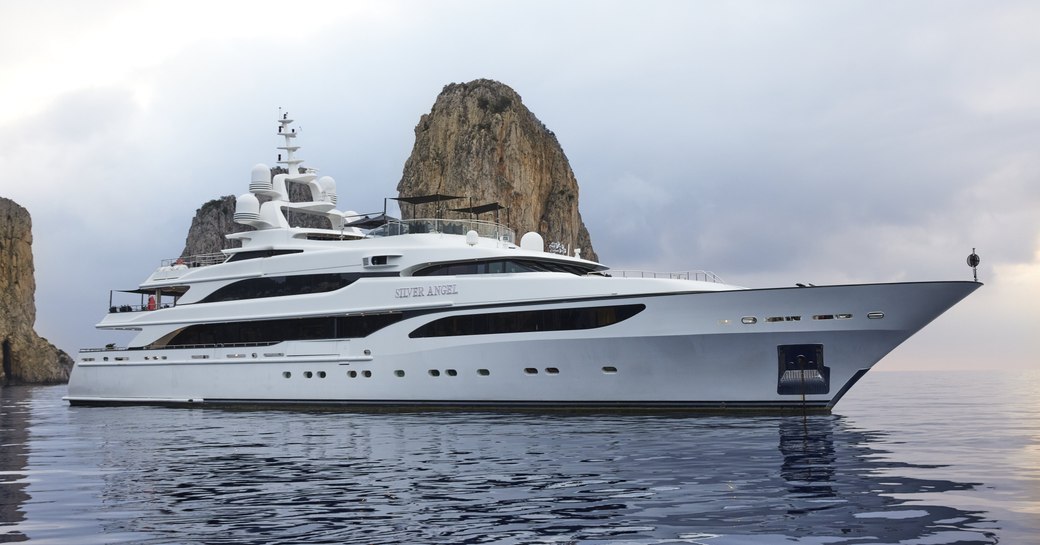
[172, 291]
[425, 199]
[480, 208]
[371, 222]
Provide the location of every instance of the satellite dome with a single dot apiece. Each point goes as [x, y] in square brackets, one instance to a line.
[328, 186]
[532, 241]
[247, 209]
[260, 179]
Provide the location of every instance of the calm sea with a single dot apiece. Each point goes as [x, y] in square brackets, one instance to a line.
[910, 458]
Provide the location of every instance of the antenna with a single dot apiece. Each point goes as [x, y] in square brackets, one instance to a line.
[973, 262]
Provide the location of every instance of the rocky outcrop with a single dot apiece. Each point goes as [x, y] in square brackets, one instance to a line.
[480, 142]
[211, 223]
[216, 218]
[26, 357]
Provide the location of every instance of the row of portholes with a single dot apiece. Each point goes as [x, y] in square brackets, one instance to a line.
[608, 369]
[548, 371]
[306, 374]
[322, 374]
[748, 320]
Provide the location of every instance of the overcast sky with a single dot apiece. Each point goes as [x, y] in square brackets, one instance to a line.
[770, 142]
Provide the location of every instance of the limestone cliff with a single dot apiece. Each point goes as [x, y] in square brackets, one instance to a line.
[212, 221]
[216, 218]
[26, 357]
[479, 141]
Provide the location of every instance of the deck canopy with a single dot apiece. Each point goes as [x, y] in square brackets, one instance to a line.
[371, 222]
[480, 208]
[426, 199]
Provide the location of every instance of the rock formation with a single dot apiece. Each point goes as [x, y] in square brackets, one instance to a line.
[216, 218]
[26, 357]
[480, 142]
[211, 223]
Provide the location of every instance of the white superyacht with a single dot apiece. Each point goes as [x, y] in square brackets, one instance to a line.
[455, 313]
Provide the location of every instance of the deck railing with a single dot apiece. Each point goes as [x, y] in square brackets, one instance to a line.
[485, 229]
[703, 276]
[193, 261]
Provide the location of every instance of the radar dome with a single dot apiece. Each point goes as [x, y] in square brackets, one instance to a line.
[247, 209]
[261, 178]
[328, 187]
[532, 241]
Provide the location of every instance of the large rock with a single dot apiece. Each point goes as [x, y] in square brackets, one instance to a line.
[211, 223]
[479, 141]
[216, 218]
[26, 357]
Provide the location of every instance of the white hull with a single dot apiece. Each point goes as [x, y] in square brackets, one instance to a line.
[684, 350]
[443, 312]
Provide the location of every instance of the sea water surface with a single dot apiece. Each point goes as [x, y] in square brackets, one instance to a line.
[909, 458]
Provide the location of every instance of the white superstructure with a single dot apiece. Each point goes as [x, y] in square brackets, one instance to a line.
[454, 313]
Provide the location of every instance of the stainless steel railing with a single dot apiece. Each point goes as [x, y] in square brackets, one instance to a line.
[703, 276]
[485, 229]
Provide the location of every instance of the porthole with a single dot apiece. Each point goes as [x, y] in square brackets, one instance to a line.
[399, 373]
[366, 373]
[483, 372]
[434, 373]
[308, 374]
[609, 369]
[530, 371]
[321, 374]
[286, 374]
[773, 319]
[552, 370]
[451, 372]
[352, 373]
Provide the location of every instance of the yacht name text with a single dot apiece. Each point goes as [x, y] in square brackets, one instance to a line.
[426, 291]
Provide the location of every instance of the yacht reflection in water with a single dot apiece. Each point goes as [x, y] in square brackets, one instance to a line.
[479, 478]
[843, 486]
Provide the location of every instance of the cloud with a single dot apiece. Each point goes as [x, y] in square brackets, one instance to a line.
[769, 142]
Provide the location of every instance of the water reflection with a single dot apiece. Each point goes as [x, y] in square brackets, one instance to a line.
[14, 416]
[189, 476]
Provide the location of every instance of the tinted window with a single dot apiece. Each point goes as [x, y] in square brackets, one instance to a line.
[272, 331]
[527, 321]
[255, 254]
[278, 286]
[499, 266]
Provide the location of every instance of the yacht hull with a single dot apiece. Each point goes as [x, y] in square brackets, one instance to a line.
[753, 350]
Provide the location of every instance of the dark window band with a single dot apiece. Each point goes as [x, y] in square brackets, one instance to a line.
[525, 321]
[279, 286]
[296, 329]
[256, 254]
[496, 266]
